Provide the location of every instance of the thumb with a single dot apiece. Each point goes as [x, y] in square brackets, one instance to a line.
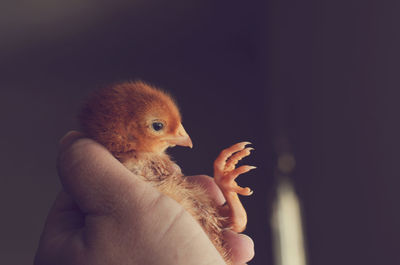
[95, 179]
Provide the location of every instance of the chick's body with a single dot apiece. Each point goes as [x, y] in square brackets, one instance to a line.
[137, 123]
[167, 177]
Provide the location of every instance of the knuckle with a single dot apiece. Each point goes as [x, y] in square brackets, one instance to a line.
[73, 158]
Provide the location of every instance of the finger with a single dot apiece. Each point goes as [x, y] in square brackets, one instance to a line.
[242, 246]
[64, 217]
[65, 212]
[95, 179]
[63, 222]
[211, 187]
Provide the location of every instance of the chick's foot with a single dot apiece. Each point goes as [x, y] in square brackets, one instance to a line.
[225, 173]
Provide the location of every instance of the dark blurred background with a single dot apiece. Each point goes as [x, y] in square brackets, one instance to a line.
[324, 75]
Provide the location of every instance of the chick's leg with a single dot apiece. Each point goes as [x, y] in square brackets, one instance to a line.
[225, 173]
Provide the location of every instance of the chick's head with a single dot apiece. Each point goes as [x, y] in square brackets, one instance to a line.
[133, 117]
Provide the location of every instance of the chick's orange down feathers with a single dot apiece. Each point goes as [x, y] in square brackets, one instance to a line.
[137, 123]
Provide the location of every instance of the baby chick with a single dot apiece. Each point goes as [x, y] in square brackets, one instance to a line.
[137, 123]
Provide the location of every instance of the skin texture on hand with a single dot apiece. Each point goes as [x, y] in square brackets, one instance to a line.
[107, 215]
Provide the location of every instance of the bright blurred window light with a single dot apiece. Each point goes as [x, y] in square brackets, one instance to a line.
[286, 220]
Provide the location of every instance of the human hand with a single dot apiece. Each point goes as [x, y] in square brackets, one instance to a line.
[107, 215]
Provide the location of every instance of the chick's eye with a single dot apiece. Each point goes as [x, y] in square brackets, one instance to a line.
[157, 126]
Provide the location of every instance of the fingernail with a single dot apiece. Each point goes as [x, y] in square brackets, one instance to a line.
[69, 138]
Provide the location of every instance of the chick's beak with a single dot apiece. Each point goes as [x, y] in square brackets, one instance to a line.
[181, 138]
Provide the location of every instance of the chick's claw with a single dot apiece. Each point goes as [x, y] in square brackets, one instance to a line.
[225, 173]
[238, 171]
[220, 162]
[227, 181]
[242, 191]
[235, 158]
